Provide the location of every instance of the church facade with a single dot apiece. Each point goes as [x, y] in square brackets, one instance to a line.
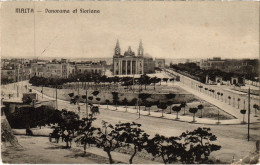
[129, 63]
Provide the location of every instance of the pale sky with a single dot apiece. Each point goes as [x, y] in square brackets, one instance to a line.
[167, 29]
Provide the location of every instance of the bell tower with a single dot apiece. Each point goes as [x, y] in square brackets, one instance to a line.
[117, 48]
[140, 49]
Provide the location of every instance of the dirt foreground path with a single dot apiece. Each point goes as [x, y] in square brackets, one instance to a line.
[39, 150]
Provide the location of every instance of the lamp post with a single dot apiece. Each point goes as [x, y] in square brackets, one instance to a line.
[17, 90]
[139, 100]
[78, 97]
[42, 91]
[248, 114]
[86, 100]
[56, 97]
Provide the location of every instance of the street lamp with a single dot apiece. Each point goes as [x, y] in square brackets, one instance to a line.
[139, 100]
[87, 100]
[248, 114]
[78, 97]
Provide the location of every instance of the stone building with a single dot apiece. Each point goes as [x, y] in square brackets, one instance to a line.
[159, 62]
[129, 63]
[90, 67]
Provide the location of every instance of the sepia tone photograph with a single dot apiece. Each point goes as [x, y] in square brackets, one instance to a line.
[130, 82]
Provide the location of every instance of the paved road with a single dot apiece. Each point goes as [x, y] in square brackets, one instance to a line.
[189, 85]
[232, 138]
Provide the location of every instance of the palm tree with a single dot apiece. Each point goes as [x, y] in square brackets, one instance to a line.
[183, 105]
[200, 107]
[194, 111]
[229, 99]
[107, 101]
[177, 110]
[238, 99]
[243, 111]
[256, 108]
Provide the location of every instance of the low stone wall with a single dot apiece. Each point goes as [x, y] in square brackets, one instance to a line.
[107, 95]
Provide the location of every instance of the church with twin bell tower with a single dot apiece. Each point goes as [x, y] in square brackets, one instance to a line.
[129, 63]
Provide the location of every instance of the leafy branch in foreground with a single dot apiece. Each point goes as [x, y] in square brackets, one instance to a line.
[198, 146]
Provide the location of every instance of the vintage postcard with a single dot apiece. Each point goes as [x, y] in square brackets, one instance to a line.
[130, 82]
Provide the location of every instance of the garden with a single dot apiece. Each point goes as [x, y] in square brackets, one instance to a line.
[148, 98]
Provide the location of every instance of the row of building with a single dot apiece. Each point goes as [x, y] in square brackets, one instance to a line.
[22, 69]
[14, 70]
[230, 65]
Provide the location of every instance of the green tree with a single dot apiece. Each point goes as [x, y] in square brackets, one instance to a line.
[256, 107]
[165, 80]
[125, 102]
[144, 80]
[229, 99]
[115, 98]
[218, 93]
[98, 100]
[112, 139]
[183, 105]
[95, 93]
[86, 132]
[149, 105]
[90, 98]
[243, 111]
[107, 101]
[162, 106]
[135, 136]
[177, 109]
[170, 102]
[194, 111]
[198, 146]
[200, 107]
[169, 149]
[134, 102]
[238, 99]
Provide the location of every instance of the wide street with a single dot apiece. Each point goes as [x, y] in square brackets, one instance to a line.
[232, 138]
